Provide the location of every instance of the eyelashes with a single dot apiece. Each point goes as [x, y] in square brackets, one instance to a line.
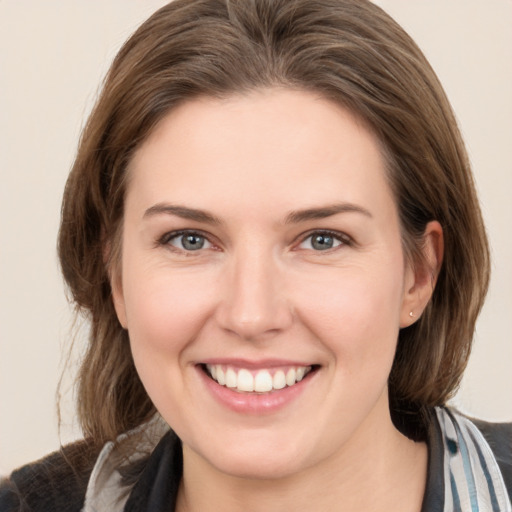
[186, 241]
[194, 241]
[324, 240]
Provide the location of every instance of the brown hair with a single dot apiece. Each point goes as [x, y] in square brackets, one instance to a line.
[351, 52]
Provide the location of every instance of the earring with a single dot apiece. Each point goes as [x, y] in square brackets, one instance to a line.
[411, 314]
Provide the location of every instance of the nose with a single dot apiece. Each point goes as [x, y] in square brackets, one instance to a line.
[254, 303]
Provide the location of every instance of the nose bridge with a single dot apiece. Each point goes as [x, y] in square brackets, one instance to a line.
[254, 303]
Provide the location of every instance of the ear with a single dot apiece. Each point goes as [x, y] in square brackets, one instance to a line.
[116, 284]
[112, 263]
[421, 277]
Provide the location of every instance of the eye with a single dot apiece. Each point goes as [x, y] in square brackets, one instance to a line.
[187, 241]
[322, 241]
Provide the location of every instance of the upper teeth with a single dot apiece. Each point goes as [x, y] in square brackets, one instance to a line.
[261, 381]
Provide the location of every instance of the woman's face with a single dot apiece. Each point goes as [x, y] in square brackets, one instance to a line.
[262, 250]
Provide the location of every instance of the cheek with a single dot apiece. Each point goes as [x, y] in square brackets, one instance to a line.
[165, 310]
[355, 312]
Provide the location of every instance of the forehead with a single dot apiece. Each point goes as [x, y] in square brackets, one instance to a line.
[272, 146]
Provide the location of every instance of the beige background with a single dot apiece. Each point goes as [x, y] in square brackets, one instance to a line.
[52, 57]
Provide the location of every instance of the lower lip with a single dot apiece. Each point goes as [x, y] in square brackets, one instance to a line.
[255, 403]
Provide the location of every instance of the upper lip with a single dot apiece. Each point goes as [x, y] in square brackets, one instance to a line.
[253, 364]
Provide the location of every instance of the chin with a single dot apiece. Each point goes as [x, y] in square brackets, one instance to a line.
[260, 468]
[261, 459]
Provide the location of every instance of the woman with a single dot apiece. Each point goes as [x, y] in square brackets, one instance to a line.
[272, 224]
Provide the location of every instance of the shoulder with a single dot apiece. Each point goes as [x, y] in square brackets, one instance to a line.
[83, 475]
[55, 483]
[469, 463]
[499, 439]
[488, 445]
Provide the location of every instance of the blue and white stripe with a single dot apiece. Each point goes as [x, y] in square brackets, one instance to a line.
[472, 478]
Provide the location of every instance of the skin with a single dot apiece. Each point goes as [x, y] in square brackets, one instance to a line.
[259, 289]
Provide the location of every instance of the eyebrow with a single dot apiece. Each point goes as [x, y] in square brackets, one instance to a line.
[323, 212]
[183, 212]
[293, 217]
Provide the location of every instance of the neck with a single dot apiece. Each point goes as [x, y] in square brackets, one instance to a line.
[378, 470]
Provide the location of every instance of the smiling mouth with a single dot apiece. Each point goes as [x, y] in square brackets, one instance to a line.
[243, 380]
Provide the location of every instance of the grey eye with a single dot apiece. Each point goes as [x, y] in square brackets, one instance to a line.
[189, 242]
[320, 242]
[192, 242]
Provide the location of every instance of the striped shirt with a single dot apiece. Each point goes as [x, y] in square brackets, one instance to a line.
[472, 478]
